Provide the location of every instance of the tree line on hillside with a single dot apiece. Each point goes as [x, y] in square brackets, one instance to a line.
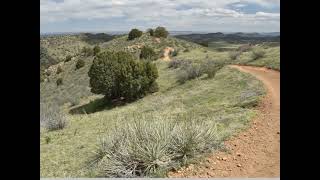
[158, 32]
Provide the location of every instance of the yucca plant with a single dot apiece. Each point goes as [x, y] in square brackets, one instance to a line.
[149, 147]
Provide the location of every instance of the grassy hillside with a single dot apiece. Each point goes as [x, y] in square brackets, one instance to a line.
[228, 43]
[211, 101]
[59, 46]
[270, 60]
[74, 87]
[76, 82]
[158, 44]
[225, 102]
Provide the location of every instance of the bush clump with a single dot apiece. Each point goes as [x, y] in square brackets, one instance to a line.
[244, 48]
[161, 32]
[188, 72]
[174, 53]
[154, 87]
[68, 58]
[96, 50]
[59, 81]
[186, 50]
[59, 70]
[204, 43]
[151, 32]
[176, 63]
[210, 67]
[234, 55]
[257, 54]
[151, 147]
[134, 33]
[148, 53]
[118, 75]
[87, 51]
[51, 117]
[80, 63]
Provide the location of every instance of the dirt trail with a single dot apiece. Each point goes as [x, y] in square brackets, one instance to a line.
[254, 152]
[166, 53]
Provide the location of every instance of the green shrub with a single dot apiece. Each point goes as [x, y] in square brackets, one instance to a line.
[47, 139]
[245, 48]
[234, 55]
[204, 44]
[211, 67]
[186, 50]
[118, 75]
[154, 87]
[174, 53]
[59, 81]
[176, 63]
[193, 70]
[134, 33]
[182, 77]
[150, 31]
[59, 70]
[257, 53]
[80, 63]
[68, 58]
[96, 50]
[161, 32]
[48, 73]
[87, 51]
[148, 53]
[188, 72]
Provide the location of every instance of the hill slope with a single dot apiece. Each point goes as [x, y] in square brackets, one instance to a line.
[225, 101]
[54, 49]
[76, 82]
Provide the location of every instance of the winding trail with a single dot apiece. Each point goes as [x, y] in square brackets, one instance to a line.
[254, 152]
[166, 53]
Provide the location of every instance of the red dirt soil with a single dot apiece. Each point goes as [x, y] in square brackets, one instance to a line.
[254, 152]
[166, 53]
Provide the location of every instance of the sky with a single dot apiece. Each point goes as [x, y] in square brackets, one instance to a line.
[175, 15]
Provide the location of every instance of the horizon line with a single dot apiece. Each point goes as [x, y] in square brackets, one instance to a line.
[102, 31]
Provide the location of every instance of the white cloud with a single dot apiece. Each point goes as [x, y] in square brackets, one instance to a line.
[239, 5]
[204, 13]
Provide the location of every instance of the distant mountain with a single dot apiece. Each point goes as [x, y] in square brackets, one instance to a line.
[272, 34]
[238, 37]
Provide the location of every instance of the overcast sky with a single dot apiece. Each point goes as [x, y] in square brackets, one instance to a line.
[175, 15]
